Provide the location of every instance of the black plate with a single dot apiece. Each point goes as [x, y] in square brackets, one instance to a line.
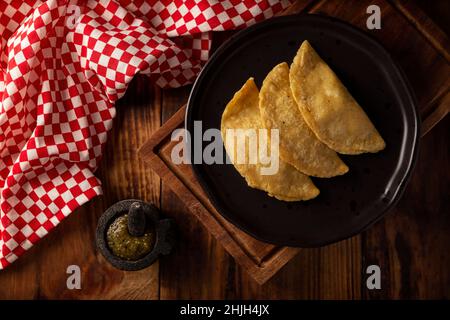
[347, 204]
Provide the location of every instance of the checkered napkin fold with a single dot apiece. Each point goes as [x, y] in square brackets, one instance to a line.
[63, 65]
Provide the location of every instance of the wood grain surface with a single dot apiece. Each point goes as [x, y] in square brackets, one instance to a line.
[410, 244]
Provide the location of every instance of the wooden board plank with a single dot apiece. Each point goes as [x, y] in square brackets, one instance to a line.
[441, 108]
[196, 270]
[331, 272]
[411, 243]
[425, 26]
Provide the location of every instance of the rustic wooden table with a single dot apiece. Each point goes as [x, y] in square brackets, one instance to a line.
[410, 244]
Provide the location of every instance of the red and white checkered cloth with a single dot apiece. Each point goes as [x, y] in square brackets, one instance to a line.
[63, 65]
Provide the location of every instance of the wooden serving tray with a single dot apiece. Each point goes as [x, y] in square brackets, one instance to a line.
[414, 41]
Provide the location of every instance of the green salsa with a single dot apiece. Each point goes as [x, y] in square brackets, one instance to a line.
[124, 245]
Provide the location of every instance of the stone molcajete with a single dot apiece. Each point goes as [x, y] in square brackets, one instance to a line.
[131, 235]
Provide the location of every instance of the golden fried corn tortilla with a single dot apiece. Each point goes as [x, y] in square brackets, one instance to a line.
[328, 108]
[299, 146]
[287, 184]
